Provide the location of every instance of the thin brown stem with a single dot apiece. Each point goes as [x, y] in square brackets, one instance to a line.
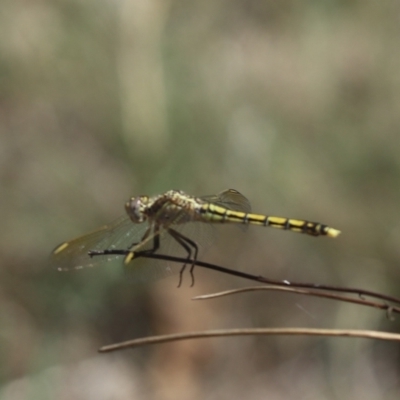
[250, 332]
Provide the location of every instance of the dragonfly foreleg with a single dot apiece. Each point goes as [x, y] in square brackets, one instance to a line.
[128, 253]
[188, 245]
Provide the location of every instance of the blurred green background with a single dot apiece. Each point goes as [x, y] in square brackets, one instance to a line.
[295, 104]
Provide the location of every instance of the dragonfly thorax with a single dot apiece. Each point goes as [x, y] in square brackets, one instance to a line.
[172, 207]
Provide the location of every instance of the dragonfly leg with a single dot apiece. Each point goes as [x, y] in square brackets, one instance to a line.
[130, 255]
[127, 252]
[144, 238]
[188, 245]
[156, 241]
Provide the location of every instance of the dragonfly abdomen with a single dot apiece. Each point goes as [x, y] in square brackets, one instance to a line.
[217, 214]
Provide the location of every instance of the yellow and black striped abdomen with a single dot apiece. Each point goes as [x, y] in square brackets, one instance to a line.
[217, 214]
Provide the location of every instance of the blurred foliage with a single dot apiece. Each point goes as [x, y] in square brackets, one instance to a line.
[293, 103]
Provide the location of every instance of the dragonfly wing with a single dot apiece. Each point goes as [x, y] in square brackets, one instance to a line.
[143, 270]
[230, 199]
[119, 234]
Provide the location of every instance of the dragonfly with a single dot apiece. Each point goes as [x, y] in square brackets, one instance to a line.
[148, 220]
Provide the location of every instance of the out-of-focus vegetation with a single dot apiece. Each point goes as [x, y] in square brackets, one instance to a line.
[295, 104]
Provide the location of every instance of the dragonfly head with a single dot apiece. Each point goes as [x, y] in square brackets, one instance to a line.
[136, 207]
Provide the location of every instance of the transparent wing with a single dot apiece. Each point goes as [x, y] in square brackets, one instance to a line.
[119, 234]
[230, 199]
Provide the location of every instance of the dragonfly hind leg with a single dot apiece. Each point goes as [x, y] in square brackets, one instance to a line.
[188, 245]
